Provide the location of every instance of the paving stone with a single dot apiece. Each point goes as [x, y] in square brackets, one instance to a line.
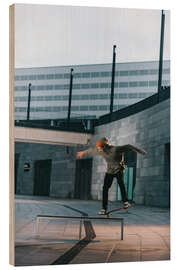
[146, 233]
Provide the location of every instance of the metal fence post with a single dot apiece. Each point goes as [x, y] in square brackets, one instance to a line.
[122, 229]
[37, 226]
[80, 229]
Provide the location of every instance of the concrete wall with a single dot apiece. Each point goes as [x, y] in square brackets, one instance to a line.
[62, 172]
[150, 130]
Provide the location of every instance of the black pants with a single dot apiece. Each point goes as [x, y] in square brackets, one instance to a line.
[108, 179]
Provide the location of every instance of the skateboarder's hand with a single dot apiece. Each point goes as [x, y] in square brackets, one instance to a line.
[80, 154]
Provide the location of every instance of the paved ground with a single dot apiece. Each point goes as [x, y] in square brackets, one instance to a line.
[146, 233]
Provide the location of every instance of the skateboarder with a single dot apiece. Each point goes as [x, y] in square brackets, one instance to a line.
[114, 156]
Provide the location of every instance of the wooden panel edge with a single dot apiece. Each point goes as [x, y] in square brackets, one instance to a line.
[11, 135]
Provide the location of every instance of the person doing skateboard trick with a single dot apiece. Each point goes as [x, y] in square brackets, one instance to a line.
[114, 157]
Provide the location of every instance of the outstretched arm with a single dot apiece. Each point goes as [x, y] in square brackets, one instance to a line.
[129, 148]
[80, 154]
[91, 151]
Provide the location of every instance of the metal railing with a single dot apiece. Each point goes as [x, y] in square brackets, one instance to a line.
[144, 104]
[80, 219]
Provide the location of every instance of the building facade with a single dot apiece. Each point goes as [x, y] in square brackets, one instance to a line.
[52, 170]
[90, 90]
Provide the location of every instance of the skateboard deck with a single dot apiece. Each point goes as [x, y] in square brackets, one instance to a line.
[115, 210]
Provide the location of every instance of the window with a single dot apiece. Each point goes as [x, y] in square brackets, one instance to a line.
[49, 87]
[41, 109]
[75, 97]
[32, 77]
[166, 70]
[132, 95]
[153, 71]
[40, 87]
[94, 97]
[57, 97]
[66, 75]
[50, 76]
[21, 88]
[105, 74]
[103, 96]
[143, 72]
[103, 107]
[95, 74]
[153, 83]
[84, 97]
[143, 83]
[76, 86]
[85, 85]
[83, 108]
[64, 108]
[25, 77]
[133, 84]
[77, 75]
[57, 86]
[41, 77]
[104, 85]
[93, 108]
[65, 86]
[86, 75]
[75, 108]
[124, 73]
[123, 84]
[20, 109]
[58, 76]
[51, 109]
[20, 99]
[123, 95]
[94, 85]
[133, 72]
[16, 78]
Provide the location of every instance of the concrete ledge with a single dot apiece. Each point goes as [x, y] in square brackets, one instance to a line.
[44, 136]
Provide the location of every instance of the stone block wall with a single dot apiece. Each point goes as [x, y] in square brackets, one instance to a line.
[149, 130]
[62, 170]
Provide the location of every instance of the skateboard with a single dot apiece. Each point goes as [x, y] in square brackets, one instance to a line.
[116, 209]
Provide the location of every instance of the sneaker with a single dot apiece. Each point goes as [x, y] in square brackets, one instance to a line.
[102, 212]
[127, 205]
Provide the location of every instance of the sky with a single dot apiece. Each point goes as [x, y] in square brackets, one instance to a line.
[51, 35]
